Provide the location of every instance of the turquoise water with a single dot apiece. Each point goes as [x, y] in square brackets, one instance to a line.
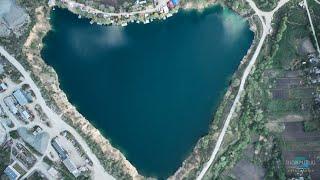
[151, 89]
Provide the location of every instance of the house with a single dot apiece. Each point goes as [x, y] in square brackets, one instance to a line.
[314, 60]
[24, 114]
[315, 70]
[16, 17]
[11, 173]
[20, 96]
[315, 80]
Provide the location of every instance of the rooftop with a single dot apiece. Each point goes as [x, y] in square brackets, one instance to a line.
[71, 167]
[20, 97]
[61, 152]
[11, 173]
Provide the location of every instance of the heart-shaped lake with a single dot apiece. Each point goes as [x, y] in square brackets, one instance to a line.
[152, 89]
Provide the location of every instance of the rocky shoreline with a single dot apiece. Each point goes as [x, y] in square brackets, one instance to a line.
[111, 158]
[114, 161]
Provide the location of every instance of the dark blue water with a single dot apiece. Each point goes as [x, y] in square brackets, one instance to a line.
[151, 89]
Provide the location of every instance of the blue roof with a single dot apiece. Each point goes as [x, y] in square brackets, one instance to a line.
[11, 173]
[61, 152]
[175, 2]
[20, 97]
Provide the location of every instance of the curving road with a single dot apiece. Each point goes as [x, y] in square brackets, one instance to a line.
[266, 19]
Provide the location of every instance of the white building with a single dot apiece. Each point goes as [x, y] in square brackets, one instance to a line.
[71, 167]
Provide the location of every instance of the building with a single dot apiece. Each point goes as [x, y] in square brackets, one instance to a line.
[20, 96]
[11, 173]
[170, 4]
[24, 114]
[61, 152]
[71, 167]
[314, 60]
[165, 9]
[10, 102]
[3, 87]
[315, 70]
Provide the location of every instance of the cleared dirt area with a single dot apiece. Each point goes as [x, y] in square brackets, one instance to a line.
[290, 86]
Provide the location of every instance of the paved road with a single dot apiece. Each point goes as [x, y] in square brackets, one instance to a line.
[311, 24]
[57, 123]
[266, 19]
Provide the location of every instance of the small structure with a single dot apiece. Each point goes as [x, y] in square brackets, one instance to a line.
[20, 96]
[165, 9]
[314, 60]
[3, 134]
[11, 173]
[170, 4]
[315, 70]
[24, 114]
[3, 87]
[315, 80]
